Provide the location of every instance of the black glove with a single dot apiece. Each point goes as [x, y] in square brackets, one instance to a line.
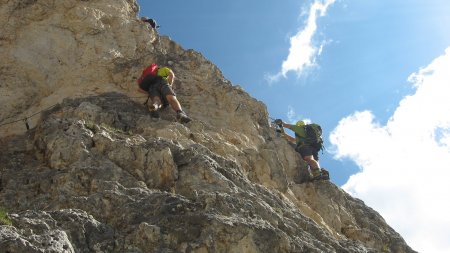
[279, 122]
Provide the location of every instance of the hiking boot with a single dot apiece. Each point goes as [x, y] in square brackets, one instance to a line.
[316, 174]
[153, 111]
[325, 174]
[322, 175]
[317, 178]
[182, 117]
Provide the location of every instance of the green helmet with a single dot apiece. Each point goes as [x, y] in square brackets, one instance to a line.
[300, 123]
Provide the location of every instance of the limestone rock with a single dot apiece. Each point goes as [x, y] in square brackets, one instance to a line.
[95, 173]
[102, 155]
[58, 231]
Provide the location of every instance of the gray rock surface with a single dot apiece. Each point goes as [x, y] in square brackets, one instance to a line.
[97, 174]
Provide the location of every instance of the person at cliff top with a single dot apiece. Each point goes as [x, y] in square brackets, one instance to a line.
[151, 21]
[159, 88]
[308, 151]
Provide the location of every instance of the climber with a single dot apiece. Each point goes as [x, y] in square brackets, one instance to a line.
[157, 82]
[308, 142]
[151, 21]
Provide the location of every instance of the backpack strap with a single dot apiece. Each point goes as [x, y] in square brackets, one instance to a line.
[301, 142]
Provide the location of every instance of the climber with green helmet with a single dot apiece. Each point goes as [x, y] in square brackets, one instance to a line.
[308, 142]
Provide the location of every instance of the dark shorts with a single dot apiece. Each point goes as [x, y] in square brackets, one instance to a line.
[157, 87]
[306, 150]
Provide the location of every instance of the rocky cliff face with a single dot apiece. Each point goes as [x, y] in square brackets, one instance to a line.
[97, 174]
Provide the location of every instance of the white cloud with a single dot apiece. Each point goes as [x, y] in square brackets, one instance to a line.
[405, 164]
[291, 115]
[302, 52]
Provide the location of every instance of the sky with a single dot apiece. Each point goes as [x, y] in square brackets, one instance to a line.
[375, 74]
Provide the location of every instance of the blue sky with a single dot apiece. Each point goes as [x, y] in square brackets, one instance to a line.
[361, 69]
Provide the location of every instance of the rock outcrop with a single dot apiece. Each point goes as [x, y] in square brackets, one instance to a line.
[96, 173]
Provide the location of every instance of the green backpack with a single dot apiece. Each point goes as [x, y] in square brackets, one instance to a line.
[314, 136]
